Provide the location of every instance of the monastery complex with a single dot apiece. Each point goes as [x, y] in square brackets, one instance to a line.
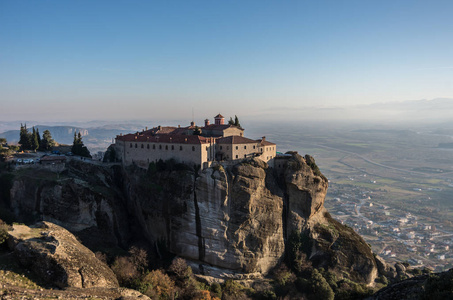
[192, 145]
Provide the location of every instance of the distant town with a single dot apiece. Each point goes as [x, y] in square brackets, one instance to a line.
[394, 234]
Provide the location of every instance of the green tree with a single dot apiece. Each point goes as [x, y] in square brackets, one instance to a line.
[38, 137]
[25, 138]
[236, 121]
[78, 148]
[47, 141]
[319, 287]
[34, 140]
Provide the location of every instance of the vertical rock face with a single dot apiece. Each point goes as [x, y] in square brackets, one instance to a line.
[240, 219]
[305, 191]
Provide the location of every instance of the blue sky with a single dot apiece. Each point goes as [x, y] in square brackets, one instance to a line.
[65, 60]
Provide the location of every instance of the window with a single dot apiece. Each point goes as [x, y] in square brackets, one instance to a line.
[160, 147]
[180, 147]
[254, 146]
[147, 146]
[245, 155]
[136, 145]
[143, 146]
[154, 146]
[228, 147]
[237, 156]
[193, 148]
[220, 147]
[206, 148]
[237, 148]
[166, 147]
[245, 147]
[131, 145]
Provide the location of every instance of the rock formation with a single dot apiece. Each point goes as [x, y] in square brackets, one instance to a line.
[58, 258]
[237, 216]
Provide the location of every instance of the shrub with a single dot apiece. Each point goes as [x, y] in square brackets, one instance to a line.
[139, 258]
[157, 284]
[125, 270]
[283, 275]
[320, 289]
[180, 268]
[3, 232]
[233, 290]
[216, 290]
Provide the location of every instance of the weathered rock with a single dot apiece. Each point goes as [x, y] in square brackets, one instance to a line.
[58, 258]
[306, 193]
[338, 248]
[384, 268]
[85, 197]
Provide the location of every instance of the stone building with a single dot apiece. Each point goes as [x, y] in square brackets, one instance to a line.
[192, 145]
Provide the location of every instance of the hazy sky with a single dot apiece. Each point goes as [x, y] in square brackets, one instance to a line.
[161, 59]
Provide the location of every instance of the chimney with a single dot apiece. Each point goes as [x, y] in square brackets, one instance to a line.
[263, 138]
[206, 122]
[146, 128]
[192, 123]
[159, 127]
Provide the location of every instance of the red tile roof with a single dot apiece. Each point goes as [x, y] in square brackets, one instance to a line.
[217, 127]
[219, 116]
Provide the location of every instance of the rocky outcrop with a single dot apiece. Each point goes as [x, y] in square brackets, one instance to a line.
[58, 258]
[235, 216]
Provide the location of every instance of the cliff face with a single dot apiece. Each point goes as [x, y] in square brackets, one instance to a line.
[236, 217]
[81, 198]
[239, 217]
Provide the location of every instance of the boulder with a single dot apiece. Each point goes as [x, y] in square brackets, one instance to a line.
[55, 255]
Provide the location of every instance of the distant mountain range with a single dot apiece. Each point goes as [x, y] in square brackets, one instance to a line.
[95, 138]
[426, 111]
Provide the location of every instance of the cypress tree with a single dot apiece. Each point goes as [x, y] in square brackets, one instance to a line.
[34, 140]
[47, 142]
[25, 137]
[78, 148]
[236, 121]
[38, 137]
